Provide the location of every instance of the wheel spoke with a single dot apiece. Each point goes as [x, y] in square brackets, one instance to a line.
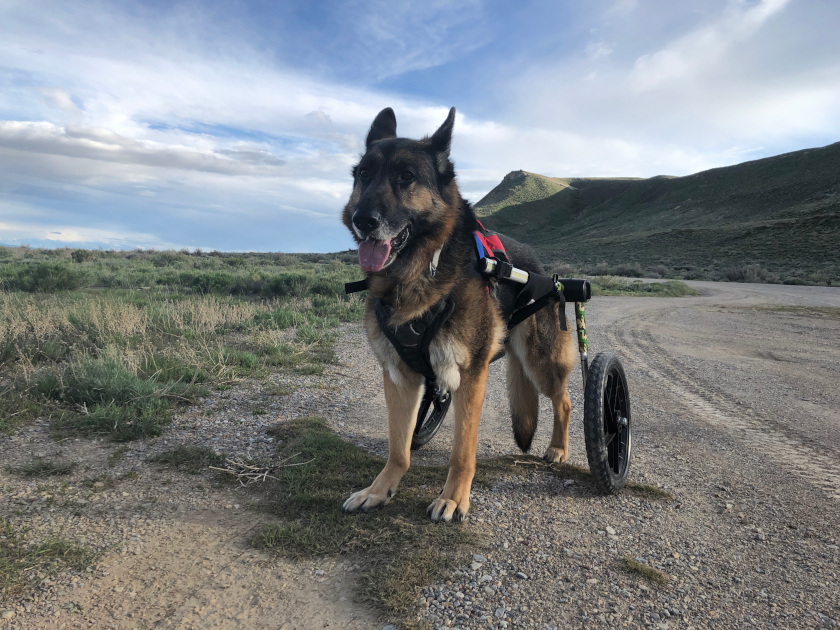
[615, 399]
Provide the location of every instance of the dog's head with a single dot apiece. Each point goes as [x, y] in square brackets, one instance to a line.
[403, 194]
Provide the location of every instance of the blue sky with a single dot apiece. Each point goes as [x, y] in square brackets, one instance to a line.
[234, 125]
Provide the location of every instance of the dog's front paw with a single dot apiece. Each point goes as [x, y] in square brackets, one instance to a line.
[554, 455]
[366, 500]
[446, 510]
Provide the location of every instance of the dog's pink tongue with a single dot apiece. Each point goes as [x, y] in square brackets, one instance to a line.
[373, 254]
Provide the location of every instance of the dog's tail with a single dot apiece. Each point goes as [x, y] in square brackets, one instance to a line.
[524, 403]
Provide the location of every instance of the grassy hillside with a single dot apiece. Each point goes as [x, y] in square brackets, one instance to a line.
[776, 219]
[519, 187]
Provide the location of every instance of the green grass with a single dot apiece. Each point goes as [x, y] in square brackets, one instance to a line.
[770, 220]
[121, 339]
[16, 407]
[278, 389]
[607, 285]
[40, 467]
[101, 482]
[117, 455]
[43, 276]
[188, 458]
[403, 549]
[250, 274]
[648, 491]
[102, 396]
[21, 560]
[634, 567]
[163, 368]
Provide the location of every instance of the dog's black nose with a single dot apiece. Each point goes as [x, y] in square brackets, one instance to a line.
[366, 222]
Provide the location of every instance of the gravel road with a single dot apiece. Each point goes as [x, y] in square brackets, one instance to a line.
[736, 413]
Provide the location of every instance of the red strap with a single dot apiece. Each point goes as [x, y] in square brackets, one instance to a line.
[494, 243]
[493, 247]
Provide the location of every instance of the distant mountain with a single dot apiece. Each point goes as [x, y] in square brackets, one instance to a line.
[781, 214]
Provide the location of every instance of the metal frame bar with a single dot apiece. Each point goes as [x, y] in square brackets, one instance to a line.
[521, 276]
[583, 340]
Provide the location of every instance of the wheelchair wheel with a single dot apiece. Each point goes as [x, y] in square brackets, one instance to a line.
[606, 420]
[430, 416]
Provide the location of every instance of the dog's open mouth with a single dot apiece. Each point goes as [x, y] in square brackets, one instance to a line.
[375, 255]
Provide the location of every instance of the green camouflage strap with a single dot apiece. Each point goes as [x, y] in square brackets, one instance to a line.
[580, 316]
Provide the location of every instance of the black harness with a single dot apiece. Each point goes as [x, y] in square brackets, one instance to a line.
[412, 339]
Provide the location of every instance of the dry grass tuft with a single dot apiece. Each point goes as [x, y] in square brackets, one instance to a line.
[634, 567]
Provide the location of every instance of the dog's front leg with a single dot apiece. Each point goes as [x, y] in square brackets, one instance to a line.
[403, 401]
[454, 501]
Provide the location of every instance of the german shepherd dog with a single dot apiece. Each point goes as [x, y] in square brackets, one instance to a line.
[416, 246]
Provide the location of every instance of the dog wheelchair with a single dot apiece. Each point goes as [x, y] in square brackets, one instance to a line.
[606, 407]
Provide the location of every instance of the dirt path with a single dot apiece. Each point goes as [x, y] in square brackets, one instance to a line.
[736, 413]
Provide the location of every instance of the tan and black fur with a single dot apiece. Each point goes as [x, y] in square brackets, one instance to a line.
[405, 192]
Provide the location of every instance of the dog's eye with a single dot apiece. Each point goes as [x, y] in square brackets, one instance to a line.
[406, 176]
[364, 174]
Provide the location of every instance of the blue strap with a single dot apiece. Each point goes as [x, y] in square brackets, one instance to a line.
[479, 246]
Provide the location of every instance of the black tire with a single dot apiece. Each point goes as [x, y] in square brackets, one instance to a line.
[606, 423]
[430, 416]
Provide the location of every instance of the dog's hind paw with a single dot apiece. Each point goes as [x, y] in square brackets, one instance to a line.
[554, 455]
[447, 510]
[366, 500]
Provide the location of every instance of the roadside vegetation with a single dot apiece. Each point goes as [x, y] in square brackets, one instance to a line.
[110, 343]
[751, 273]
[612, 285]
[21, 560]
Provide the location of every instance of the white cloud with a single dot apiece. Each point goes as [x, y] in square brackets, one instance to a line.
[63, 235]
[621, 8]
[597, 50]
[103, 145]
[703, 48]
[758, 74]
[59, 99]
[393, 37]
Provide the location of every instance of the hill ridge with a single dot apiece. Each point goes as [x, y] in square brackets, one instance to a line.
[781, 212]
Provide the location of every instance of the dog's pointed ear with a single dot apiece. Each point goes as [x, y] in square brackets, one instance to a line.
[384, 126]
[442, 138]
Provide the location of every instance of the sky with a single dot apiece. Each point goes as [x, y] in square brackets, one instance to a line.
[234, 125]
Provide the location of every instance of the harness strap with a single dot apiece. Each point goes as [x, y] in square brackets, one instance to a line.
[412, 339]
[521, 314]
[533, 295]
[356, 286]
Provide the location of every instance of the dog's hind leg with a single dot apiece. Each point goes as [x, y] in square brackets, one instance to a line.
[454, 501]
[524, 402]
[563, 359]
[558, 449]
[403, 400]
[543, 356]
